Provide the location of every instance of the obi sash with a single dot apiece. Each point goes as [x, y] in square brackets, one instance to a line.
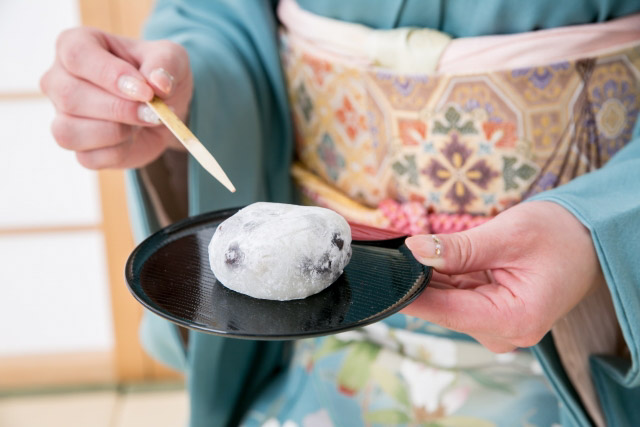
[448, 148]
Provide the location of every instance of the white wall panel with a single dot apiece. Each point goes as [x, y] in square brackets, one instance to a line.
[28, 31]
[55, 294]
[40, 183]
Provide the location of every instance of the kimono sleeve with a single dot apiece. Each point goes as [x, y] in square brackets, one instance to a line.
[607, 202]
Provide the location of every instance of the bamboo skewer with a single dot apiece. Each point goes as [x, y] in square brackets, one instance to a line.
[190, 142]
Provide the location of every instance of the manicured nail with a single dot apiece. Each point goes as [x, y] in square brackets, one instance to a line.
[134, 88]
[426, 249]
[162, 79]
[146, 114]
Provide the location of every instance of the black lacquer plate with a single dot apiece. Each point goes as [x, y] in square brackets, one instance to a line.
[169, 274]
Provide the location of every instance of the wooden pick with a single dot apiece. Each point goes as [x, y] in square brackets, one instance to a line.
[190, 142]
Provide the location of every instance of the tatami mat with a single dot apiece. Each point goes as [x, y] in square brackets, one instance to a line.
[102, 408]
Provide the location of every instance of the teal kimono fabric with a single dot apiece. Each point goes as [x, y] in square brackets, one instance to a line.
[607, 202]
[240, 110]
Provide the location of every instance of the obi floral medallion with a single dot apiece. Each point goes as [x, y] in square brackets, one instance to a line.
[473, 144]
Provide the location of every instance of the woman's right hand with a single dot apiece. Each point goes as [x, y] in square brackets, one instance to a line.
[99, 83]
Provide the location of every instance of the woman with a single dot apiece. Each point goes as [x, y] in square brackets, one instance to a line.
[415, 135]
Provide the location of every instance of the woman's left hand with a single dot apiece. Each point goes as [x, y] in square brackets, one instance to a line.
[508, 281]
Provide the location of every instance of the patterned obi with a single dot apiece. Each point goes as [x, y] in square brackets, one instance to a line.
[436, 151]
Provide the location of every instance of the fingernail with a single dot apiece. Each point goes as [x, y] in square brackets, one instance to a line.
[146, 114]
[162, 79]
[134, 88]
[427, 249]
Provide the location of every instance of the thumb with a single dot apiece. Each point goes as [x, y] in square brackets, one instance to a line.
[464, 252]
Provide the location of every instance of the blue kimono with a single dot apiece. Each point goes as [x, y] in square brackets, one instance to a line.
[240, 108]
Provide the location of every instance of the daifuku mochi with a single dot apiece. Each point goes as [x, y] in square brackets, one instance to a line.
[280, 252]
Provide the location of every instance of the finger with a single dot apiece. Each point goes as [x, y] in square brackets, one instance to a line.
[477, 249]
[440, 285]
[76, 97]
[461, 310]
[476, 275]
[461, 281]
[86, 54]
[81, 134]
[494, 343]
[163, 63]
[490, 276]
[133, 153]
[440, 277]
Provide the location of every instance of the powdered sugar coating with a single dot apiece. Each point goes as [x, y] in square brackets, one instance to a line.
[280, 252]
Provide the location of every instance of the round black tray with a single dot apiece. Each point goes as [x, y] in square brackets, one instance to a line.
[169, 274]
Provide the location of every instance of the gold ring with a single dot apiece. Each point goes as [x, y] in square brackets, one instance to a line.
[438, 244]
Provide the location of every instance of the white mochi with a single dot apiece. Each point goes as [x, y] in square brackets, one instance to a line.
[280, 252]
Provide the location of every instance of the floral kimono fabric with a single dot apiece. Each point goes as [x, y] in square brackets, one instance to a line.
[405, 372]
